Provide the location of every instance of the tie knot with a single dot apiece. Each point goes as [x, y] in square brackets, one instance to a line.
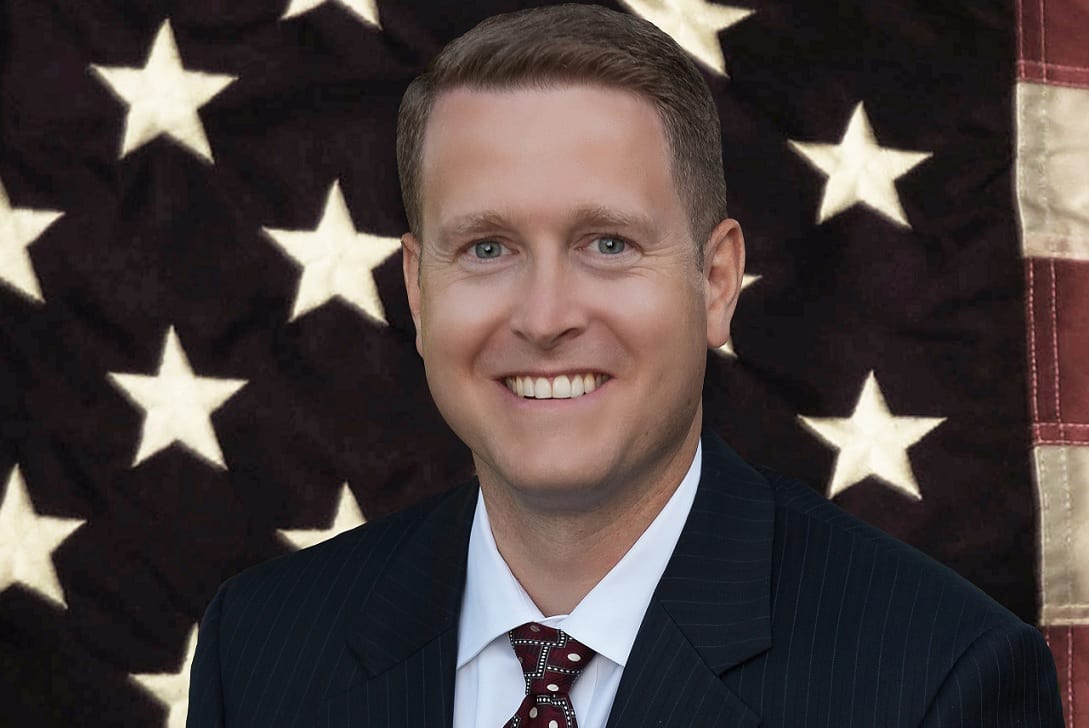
[551, 659]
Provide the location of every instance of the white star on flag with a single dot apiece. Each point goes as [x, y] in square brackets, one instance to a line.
[163, 97]
[19, 227]
[337, 260]
[348, 515]
[872, 441]
[728, 348]
[694, 24]
[28, 540]
[177, 404]
[365, 10]
[860, 170]
[172, 689]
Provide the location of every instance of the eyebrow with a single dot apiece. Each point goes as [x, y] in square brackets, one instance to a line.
[606, 217]
[584, 216]
[473, 223]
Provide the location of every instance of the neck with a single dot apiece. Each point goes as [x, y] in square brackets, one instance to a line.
[559, 555]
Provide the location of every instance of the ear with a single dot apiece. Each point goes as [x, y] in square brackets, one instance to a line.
[410, 247]
[723, 268]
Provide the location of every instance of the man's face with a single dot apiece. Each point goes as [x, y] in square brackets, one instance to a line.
[557, 250]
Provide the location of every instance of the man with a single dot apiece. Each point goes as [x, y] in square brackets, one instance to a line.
[569, 263]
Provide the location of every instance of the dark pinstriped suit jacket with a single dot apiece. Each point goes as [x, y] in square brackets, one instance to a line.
[777, 609]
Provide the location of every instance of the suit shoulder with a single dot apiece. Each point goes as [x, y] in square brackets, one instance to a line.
[889, 565]
[886, 629]
[360, 553]
[276, 640]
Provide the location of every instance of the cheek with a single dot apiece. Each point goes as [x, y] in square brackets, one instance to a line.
[668, 326]
[457, 319]
[656, 312]
[669, 342]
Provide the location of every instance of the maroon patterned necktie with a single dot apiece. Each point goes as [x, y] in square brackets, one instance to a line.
[551, 662]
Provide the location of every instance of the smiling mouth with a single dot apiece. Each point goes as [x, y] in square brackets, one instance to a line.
[564, 386]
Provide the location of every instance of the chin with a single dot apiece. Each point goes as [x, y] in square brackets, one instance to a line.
[552, 481]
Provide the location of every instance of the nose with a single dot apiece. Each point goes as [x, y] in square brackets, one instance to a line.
[549, 311]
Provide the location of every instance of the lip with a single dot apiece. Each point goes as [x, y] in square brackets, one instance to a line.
[550, 375]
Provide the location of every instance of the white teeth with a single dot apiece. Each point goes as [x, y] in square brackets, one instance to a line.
[577, 389]
[561, 387]
[542, 388]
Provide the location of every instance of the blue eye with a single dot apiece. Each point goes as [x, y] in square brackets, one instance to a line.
[487, 249]
[610, 245]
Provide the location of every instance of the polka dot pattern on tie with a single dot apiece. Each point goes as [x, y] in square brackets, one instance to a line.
[551, 662]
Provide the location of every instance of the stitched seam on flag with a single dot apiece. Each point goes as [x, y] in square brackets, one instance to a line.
[1068, 433]
[1057, 82]
[1055, 344]
[1045, 520]
[1043, 32]
[1069, 637]
[1052, 66]
[1032, 340]
[1044, 156]
[1070, 675]
[1068, 503]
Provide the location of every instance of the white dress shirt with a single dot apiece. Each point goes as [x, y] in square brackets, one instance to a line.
[489, 685]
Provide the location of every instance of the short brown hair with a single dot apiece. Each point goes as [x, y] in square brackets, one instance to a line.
[572, 43]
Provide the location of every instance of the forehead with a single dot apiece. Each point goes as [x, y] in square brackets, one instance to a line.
[573, 146]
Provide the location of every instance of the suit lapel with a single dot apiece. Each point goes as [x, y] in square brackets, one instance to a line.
[711, 610]
[405, 635]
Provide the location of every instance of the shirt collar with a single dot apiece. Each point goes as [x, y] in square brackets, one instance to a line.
[608, 617]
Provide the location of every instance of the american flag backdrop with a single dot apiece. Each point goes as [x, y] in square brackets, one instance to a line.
[207, 360]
